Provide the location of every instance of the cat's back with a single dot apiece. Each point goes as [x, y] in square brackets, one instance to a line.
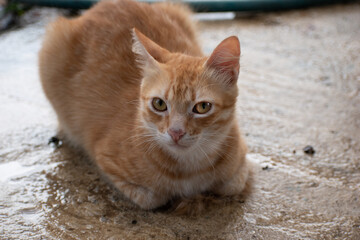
[167, 24]
[87, 67]
[100, 41]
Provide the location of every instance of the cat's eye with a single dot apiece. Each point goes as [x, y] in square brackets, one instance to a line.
[202, 107]
[159, 104]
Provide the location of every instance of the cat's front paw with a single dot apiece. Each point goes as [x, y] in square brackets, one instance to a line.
[234, 186]
[194, 206]
[143, 197]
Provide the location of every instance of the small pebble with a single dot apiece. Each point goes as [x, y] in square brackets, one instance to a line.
[309, 150]
[104, 219]
[56, 142]
[265, 168]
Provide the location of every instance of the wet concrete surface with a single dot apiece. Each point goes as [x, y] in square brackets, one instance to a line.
[299, 85]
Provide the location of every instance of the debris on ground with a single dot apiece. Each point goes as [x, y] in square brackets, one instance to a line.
[309, 150]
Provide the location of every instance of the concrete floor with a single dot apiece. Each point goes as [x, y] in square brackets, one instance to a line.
[299, 85]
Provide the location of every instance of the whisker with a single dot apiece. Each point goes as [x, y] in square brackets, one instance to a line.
[209, 161]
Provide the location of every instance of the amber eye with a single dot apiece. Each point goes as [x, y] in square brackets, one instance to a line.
[202, 107]
[159, 104]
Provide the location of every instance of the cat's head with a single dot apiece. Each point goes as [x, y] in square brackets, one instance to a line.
[187, 103]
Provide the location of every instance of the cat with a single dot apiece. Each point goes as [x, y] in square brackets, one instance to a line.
[131, 87]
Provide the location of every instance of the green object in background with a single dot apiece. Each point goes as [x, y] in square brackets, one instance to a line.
[200, 5]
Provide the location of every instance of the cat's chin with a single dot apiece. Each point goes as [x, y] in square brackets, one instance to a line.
[179, 146]
[176, 148]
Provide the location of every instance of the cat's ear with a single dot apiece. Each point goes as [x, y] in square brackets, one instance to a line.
[224, 61]
[148, 51]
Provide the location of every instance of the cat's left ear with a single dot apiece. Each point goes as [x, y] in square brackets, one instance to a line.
[147, 50]
[224, 61]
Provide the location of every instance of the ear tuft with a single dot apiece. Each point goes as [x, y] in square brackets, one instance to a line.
[224, 60]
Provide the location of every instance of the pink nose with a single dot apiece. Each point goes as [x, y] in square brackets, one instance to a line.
[176, 134]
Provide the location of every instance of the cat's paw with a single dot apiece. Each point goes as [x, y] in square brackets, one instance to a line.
[234, 186]
[147, 199]
[143, 197]
[194, 206]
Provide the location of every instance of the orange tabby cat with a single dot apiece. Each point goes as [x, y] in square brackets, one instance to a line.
[131, 87]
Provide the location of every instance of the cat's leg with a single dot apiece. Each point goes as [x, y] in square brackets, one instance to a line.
[145, 198]
[234, 185]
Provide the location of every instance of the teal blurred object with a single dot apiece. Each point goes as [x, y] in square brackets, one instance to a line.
[200, 5]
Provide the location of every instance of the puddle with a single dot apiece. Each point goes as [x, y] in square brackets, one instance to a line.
[299, 86]
[12, 169]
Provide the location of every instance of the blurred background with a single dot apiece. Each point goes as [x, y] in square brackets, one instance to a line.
[298, 108]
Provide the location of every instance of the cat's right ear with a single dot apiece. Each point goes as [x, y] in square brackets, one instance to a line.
[224, 61]
[149, 54]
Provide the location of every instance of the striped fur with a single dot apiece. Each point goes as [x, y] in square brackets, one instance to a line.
[100, 71]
